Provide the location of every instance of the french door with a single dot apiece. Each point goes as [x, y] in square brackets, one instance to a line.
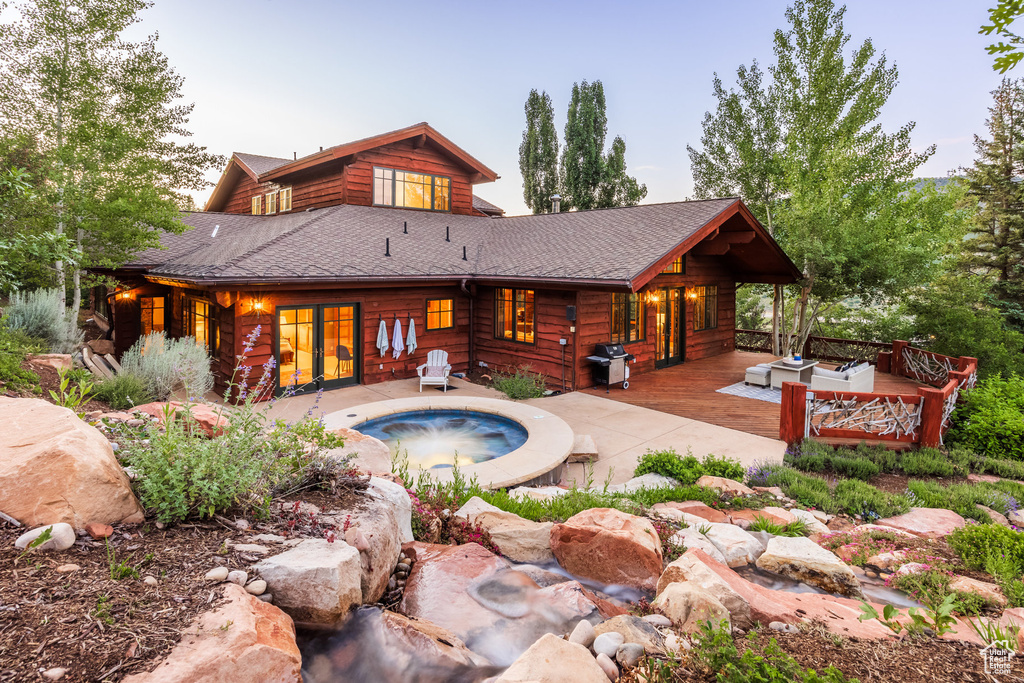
[668, 335]
[317, 347]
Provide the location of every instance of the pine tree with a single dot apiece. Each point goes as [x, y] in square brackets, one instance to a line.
[538, 153]
[996, 245]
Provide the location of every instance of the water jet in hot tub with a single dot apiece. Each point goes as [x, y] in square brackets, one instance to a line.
[501, 443]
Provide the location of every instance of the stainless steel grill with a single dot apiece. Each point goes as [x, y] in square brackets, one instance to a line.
[609, 365]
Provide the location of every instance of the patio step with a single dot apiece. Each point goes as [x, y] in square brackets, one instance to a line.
[583, 449]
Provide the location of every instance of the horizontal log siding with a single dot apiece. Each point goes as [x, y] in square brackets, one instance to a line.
[374, 303]
[545, 355]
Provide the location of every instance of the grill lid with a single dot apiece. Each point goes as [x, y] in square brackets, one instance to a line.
[609, 350]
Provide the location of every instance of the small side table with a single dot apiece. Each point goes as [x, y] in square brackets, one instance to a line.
[786, 372]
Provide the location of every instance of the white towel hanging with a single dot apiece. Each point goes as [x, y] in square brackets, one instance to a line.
[410, 339]
[382, 338]
[397, 340]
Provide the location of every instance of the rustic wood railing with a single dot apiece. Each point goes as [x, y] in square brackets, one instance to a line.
[818, 348]
[921, 418]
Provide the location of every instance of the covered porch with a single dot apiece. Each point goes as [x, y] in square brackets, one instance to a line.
[690, 390]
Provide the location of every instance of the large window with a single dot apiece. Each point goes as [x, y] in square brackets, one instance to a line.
[627, 318]
[411, 190]
[152, 313]
[440, 314]
[286, 199]
[513, 315]
[271, 202]
[257, 205]
[677, 266]
[201, 323]
[705, 307]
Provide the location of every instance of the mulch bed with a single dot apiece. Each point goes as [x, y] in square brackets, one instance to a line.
[897, 483]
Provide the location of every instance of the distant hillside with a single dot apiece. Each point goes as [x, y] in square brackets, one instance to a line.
[940, 183]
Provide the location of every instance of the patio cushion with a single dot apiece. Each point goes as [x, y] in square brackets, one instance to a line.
[858, 368]
[760, 369]
[434, 371]
[831, 374]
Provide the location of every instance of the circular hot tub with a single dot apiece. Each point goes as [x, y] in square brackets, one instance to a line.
[500, 443]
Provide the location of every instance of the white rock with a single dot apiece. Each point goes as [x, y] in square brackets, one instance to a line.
[62, 537]
[814, 525]
[692, 538]
[689, 606]
[537, 492]
[658, 620]
[608, 643]
[911, 568]
[238, 576]
[268, 538]
[399, 498]
[689, 569]
[151, 581]
[784, 627]
[736, 545]
[674, 644]
[519, 539]
[250, 548]
[315, 581]
[475, 506]
[583, 634]
[217, 574]
[629, 654]
[802, 559]
[553, 660]
[257, 587]
[55, 674]
[646, 481]
[608, 666]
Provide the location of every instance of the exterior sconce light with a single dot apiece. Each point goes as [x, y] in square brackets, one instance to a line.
[257, 305]
[691, 295]
[125, 295]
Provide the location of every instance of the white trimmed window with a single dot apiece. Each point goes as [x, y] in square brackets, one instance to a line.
[257, 205]
[271, 202]
[286, 199]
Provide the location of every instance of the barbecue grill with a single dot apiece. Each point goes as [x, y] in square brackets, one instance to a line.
[609, 365]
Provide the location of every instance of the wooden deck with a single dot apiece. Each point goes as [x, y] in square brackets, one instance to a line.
[690, 390]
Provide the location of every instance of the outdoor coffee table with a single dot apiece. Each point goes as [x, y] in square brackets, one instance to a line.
[787, 372]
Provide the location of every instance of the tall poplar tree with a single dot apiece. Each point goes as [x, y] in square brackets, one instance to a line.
[995, 246]
[105, 114]
[586, 127]
[538, 153]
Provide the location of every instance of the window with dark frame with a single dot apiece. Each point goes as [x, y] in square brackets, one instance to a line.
[514, 318]
[678, 266]
[627, 318]
[440, 314]
[151, 313]
[201, 323]
[406, 190]
[705, 307]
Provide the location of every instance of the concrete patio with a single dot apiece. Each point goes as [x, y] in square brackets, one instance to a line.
[621, 432]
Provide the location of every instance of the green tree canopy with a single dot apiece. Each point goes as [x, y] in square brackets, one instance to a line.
[1009, 49]
[538, 153]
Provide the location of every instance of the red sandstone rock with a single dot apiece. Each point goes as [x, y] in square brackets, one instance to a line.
[729, 486]
[609, 546]
[926, 522]
[693, 507]
[752, 515]
[257, 647]
[98, 531]
[211, 419]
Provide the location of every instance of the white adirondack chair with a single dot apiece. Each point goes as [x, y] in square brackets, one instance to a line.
[435, 370]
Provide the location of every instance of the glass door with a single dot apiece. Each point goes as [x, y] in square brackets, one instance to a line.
[668, 335]
[317, 346]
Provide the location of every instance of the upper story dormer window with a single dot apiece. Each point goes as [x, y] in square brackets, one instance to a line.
[257, 205]
[407, 190]
[271, 202]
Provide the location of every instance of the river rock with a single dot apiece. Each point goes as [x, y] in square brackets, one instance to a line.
[257, 587]
[364, 452]
[315, 581]
[691, 538]
[258, 646]
[926, 522]
[553, 660]
[657, 620]
[726, 486]
[689, 568]
[217, 574]
[672, 510]
[609, 546]
[57, 468]
[238, 576]
[988, 591]
[608, 641]
[650, 480]
[583, 634]
[814, 525]
[634, 630]
[62, 537]
[736, 545]
[804, 560]
[611, 670]
[395, 494]
[210, 419]
[629, 654]
[689, 606]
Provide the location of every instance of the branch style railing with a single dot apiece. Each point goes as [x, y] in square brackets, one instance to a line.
[922, 418]
[819, 348]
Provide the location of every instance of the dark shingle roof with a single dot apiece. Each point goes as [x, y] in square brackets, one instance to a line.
[347, 241]
[259, 164]
[484, 206]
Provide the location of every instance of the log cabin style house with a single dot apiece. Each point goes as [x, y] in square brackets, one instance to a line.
[318, 251]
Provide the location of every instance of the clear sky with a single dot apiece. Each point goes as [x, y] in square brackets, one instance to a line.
[275, 77]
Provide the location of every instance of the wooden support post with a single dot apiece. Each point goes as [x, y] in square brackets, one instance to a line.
[793, 417]
[933, 402]
[884, 361]
[965, 362]
[898, 347]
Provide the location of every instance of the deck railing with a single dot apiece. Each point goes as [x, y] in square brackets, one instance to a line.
[818, 348]
[921, 418]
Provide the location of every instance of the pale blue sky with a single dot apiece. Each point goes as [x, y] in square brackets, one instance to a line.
[272, 77]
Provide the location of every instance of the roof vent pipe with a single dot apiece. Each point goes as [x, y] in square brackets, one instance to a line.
[464, 254]
[447, 233]
[556, 203]
[405, 227]
[387, 246]
[295, 156]
[216, 228]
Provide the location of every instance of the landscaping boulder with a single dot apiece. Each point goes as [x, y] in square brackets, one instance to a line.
[750, 516]
[787, 516]
[988, 591]
[650, 480]
[996, 517]
[736, 545]
[242, 641]
[553, 660]
[690, 569]
[55, 361]
[374, 531]
[802, 559]
[727, 486]
[690, 537]
[57, 468]
[674, 511]
[473, 507]
[865, 528]
[102, 347]
[316, 581]
[926, 522]
[814, 525]
[518, 539]
[209, 418]
[537, 492]
[398, 497]
[633, 629]
[888, 562]
[689, 606]
[366, 453]
[609, 546]
[1016, 518]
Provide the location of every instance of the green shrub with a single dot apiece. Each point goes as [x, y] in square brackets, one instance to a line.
[166, 365]
[15, 344]
[686, 470]
[40, 314]
[123, 391]
[962, 499]
[991, 419]
[977, 543]
[851, 496]
[521, 384]
[931, 587]
[930, 462]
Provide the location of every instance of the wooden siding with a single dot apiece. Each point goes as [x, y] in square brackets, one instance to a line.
[543, 356]
[335, 182]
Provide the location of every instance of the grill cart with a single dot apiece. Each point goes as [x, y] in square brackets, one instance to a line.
[609, 365]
